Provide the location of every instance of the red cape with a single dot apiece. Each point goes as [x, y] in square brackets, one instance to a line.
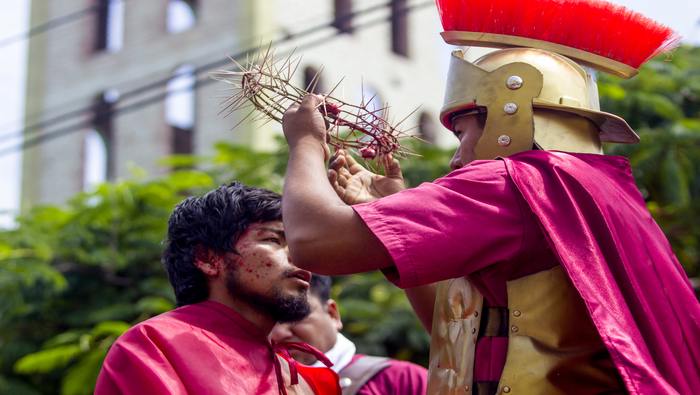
[636, 292]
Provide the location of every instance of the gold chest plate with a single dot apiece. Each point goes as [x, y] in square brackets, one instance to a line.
[553, 346]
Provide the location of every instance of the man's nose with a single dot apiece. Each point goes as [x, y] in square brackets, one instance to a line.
[456, 162]
[281, 332]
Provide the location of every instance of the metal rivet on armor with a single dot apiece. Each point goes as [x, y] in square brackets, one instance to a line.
[516, 313]
[514, 82]
[514, 328]
[506, 389]
[510, 108]
[476, 314]
[473, 330]
[344, 382]
[504, 140]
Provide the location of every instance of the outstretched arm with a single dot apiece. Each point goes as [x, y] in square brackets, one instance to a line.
[324, 234]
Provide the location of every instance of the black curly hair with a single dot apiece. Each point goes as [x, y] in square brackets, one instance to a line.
[320, 286]
[215, 222]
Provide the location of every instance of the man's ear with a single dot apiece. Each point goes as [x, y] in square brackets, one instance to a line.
[207, 261]
[332, 310]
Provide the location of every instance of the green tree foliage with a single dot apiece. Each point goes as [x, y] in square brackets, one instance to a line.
[378, 318]
[75, 278]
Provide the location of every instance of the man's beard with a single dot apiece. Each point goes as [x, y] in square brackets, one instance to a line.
[283, 308]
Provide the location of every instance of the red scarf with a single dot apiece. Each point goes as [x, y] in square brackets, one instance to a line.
[317, 377]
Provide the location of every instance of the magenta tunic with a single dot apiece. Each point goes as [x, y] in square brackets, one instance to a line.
[204, 348]
[503, 219]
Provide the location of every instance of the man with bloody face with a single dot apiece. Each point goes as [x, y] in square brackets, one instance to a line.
[227, 258]
[535, 263]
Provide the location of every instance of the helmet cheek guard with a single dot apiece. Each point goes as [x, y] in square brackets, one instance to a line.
[507, 94]
[509, 125]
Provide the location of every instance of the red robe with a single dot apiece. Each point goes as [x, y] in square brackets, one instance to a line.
[205, 348]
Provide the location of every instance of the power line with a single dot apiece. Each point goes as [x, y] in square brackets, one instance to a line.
[201, 82]
[37, 127]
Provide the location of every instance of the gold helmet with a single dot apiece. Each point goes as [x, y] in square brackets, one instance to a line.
[532, 96]
[535, 92]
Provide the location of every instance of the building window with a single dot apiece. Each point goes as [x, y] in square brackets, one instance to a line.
[312, 80]
[98, 160]
[427, 128]
[95, 160]
[110, 25]
[179, 109]
[399, 27]
[343, 16]
[181, 15]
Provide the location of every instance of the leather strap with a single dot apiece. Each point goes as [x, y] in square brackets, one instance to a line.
[358, 373]
[485, 387]
[494, 321]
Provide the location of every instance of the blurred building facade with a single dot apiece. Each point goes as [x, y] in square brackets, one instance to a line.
[127, 83]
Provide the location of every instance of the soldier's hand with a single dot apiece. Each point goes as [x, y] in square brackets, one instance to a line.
[354, 184]
[304, 126]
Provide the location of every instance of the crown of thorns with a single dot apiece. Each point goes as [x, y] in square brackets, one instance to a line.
[263, 85]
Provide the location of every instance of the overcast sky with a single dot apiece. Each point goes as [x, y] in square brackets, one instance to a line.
[682, 15]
